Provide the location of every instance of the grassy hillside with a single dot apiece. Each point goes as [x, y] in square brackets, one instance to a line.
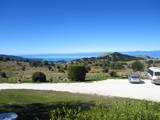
[116, 56]
[23, 71]
[112, 57]
[99, 68]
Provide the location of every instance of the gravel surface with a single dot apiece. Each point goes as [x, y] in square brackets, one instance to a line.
[118, 88]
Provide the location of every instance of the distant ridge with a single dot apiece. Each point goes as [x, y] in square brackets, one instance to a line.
[74, 56]
[11, 57]
[16, 58]
[111, 56]
[116, 56]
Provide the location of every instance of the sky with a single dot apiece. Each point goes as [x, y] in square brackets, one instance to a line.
[77, 26]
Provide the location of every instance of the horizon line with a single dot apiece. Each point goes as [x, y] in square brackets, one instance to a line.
[25, 54]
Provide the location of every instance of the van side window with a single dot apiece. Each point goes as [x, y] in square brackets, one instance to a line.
[150, 72]
[157, 73]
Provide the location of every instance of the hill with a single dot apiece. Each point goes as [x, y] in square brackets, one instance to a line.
[116, 56]
[111, 57]
[11, 58]
[4, 57]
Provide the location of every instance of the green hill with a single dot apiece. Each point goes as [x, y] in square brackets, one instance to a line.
[116, 56]
[107, 57]
[11, 58]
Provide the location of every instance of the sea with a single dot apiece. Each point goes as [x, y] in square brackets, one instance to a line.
[73, 56]
[61, 57]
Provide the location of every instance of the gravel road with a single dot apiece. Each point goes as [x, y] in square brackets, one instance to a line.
[118, 88]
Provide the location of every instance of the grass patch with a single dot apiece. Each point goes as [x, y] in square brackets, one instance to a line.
[45, 105]
[96, 76]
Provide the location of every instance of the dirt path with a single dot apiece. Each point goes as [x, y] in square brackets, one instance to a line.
[118, 88]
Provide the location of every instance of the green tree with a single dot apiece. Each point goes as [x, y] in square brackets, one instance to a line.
[137, 66]
[77, 72]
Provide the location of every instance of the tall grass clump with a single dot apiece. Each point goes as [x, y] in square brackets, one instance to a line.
[124, 110]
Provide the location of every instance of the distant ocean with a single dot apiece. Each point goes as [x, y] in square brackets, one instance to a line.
[62, 57]
[154, 54]
[69, 57]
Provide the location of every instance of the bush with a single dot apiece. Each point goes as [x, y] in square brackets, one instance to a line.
[117, 65]
[65, 67]
[3, 75]
[137, 66]
[50, 68]
[45, 63]
[88, 68]
[105, 70]
[113, 74]
[36, 64]
[77, 72]
[23, 68]
[39, 77]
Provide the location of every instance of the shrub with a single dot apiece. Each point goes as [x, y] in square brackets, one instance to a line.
[150, 63]
[3, 75]
[23, 68]
[61, 70]
[65, 67]
[36, 64]
[113, 74]
[45, 63]
[50, 68]
[137, 66]
[77, 72]
[88, 68]
[39, 77]
[116, 65]
[105, 70]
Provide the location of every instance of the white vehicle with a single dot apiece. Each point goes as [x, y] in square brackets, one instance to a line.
[154, 74]
[134, 78]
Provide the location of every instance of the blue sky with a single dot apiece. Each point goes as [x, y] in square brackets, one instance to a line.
[74, 26]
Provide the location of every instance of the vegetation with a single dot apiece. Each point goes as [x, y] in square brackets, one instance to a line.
[113, 74]
[115, 56]
[117, 65]
[117, 111]
[39, 77]
[36, 64]
[105, 59]
[99, 68]
[105, 69]
[3, 75]
[77, 72]
[137, 66]
[48, 105]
